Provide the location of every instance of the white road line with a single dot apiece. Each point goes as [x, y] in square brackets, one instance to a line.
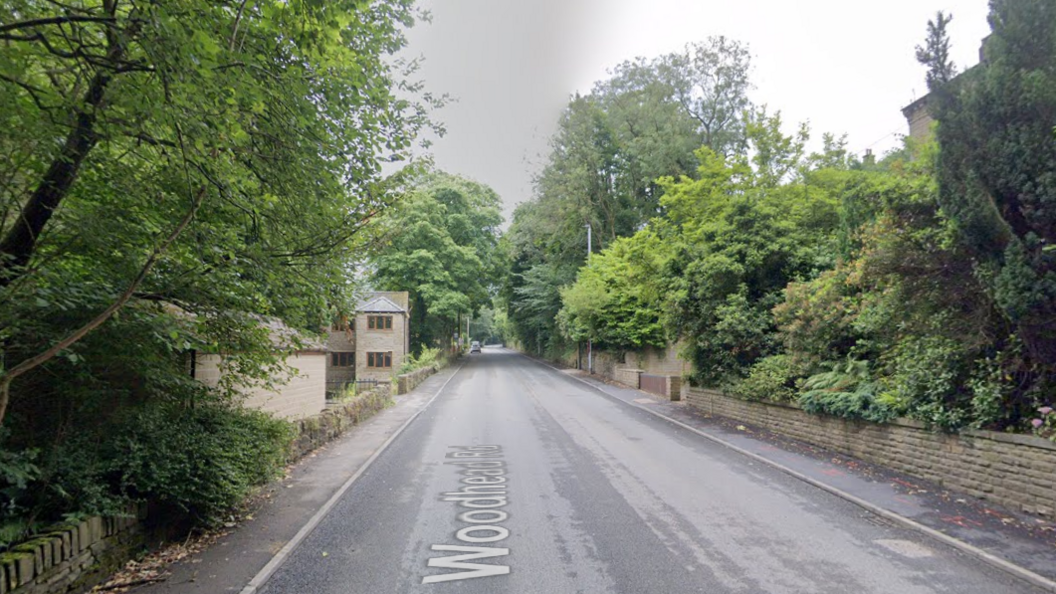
[268, 570]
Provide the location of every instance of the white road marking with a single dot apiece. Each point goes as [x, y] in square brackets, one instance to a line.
[483, 490]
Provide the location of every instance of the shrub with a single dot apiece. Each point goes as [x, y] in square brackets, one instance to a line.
[816, 317]
[202, 461]
[847, 390]
[771, 378]
[1044, 424]
[928, 373]
[17, 471]
[427, 358]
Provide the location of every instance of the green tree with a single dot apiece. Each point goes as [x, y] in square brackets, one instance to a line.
[997, 174]
[742, 230]
[639, 125]
[441, 245]
[617, 299]
[219, 155]
[935, 53]
[711, 82]
[215, 158]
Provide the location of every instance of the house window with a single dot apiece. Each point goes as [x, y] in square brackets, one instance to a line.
[342, 359]
[380, 360]
[379, 322]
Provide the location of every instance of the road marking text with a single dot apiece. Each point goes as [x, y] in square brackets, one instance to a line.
[482, 494]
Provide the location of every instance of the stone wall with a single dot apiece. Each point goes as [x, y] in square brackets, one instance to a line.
[409, 381]
[338, 417]
[629, 377]
[71, 558]
[1016, 471]
[656, 361]
[629, 367]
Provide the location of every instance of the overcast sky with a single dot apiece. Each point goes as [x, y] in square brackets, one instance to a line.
[844, 66]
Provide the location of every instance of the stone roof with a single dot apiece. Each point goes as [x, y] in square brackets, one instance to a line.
[281, 336]
[379, 304]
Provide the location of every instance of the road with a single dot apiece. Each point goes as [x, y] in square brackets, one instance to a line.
[520, 479]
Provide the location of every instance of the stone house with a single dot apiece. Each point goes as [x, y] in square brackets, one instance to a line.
[374, 344]
[341, 342]
[919, 118]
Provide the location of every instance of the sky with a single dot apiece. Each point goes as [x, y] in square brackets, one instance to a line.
[510, 66]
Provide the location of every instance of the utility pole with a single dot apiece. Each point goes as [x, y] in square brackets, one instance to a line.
[590, 341]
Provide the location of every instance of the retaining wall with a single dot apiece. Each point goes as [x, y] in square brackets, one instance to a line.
[71, 557]
[629, 377]
[336, 419]
[1016, 471]
[409, 381]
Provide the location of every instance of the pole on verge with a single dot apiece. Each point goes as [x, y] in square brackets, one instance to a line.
[590, 341]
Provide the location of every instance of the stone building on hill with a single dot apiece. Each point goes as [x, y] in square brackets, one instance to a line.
[917, 114]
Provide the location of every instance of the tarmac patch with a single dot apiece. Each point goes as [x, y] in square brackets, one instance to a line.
[906, 548]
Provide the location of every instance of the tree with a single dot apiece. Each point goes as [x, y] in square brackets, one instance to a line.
[997, 175]
[172, 173]
[441, 245]
[741, 231]
[935, 53]
[617, 300]
[218, 155]
[639, 125]
[711, 82]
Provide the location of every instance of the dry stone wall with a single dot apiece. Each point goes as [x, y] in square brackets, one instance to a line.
[1016, 471]
[409, 381]
[71, 557]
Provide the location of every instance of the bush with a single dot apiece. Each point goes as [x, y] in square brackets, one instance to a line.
[771, 378]
[847, 390]
[928, 373]
[429, 357]
[816, 318]
[17, 471]
[202, 461]
[197, 462]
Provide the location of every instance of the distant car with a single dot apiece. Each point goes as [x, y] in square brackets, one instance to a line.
[474, 347]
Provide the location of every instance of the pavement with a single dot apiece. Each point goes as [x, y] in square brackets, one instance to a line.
[335, 493]
[287, 507]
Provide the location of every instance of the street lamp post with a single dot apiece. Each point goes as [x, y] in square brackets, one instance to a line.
[590, 341]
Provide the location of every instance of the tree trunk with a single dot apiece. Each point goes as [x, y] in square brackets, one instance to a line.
[18, 245]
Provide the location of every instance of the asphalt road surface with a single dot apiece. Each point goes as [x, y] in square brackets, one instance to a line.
[520, 479]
